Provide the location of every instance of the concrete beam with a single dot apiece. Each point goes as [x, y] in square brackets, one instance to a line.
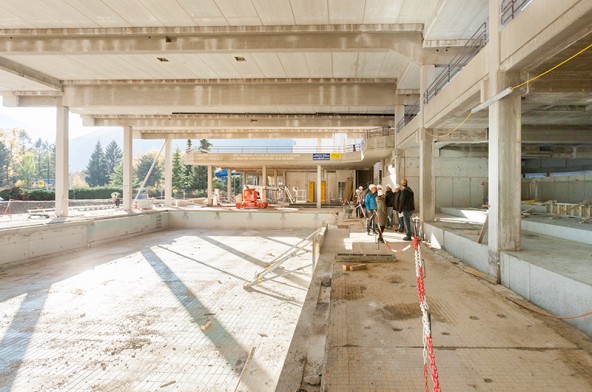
[187, 97]
[249, 133]
[251, 122]
[23, 71]
[543, 134]
[405, 39]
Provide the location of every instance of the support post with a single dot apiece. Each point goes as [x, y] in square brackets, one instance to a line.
[168, 174]
[505, 140]
[210, 188]
[127, 168]
[318, 185]
[229, 185]
[62, 162]
[427, 197]
[264, 183]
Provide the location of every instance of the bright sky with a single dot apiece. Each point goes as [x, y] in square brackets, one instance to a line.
[40, 122]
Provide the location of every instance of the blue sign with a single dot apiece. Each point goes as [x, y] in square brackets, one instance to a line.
[321, 156]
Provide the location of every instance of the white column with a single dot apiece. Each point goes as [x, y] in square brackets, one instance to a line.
[504, 184]
[62, 162]
[210, 188]
[243, 181]
[264, 183]
[127, 168]
[168, 174]
[228, 184]
[318, 185]
[427, 197]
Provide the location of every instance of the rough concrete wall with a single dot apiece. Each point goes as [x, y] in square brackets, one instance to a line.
[460, 182]
[301, 180]
[564, 189]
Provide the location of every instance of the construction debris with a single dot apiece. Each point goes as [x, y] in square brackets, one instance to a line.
[355, 267]
[206, 325]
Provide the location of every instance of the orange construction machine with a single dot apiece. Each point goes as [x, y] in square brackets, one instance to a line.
[251, 199]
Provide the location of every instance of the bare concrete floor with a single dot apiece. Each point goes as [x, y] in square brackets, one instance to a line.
[165, 311]
[483, 342]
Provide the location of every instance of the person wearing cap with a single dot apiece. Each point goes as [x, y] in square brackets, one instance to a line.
[406, 206]
[371, 208]
[381, 213]
[389, 199]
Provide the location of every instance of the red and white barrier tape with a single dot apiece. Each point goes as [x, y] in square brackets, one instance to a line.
[428, 347]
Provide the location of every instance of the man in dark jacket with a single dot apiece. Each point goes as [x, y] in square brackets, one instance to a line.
[389, 197]
[406, 206]
[398, 213]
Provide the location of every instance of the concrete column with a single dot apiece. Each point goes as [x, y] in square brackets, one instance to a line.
[399, 166]
[427, 197]
[264, 183]
[243, 181]
[210, 188]
[168, 174]
[505, 140]
[62, 162]
[127, 168]
[229, 184]
[318, 185]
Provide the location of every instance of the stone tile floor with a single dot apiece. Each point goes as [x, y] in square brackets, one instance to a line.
[483, 342]
[165, 311]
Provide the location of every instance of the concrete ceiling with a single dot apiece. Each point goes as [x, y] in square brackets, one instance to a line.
[154, 58]
[244, 67]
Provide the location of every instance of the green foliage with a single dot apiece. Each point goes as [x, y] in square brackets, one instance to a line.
[4, 162]
[40, 195]
[93, 193]
[113, 156]
[14, 193]
[96, 170]
[179, 179]
[26, 170]
[144, 165]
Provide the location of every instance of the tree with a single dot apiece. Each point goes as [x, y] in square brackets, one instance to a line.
[4, 162]
[143, 166]
[189, 169]
[200, 176]
[78, 182]
[96, 170]
[179, 179]
[26, 170]
[113, 156]
[116, 179]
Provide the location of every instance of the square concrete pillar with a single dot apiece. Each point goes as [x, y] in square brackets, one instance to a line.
[427, 196]
[229, 184]
[318, 185]
[264, 183]
[210, 187]
[62, 162]
[127, 168]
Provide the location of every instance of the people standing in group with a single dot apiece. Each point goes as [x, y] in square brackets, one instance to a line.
[406, 206]
[389, 199]
[370, 202]
[381, 212]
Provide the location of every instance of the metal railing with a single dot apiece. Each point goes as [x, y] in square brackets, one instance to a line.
[477, 41]
[511, 8]
[410, 112]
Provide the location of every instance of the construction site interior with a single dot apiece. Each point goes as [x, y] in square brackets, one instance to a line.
[483, 107]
